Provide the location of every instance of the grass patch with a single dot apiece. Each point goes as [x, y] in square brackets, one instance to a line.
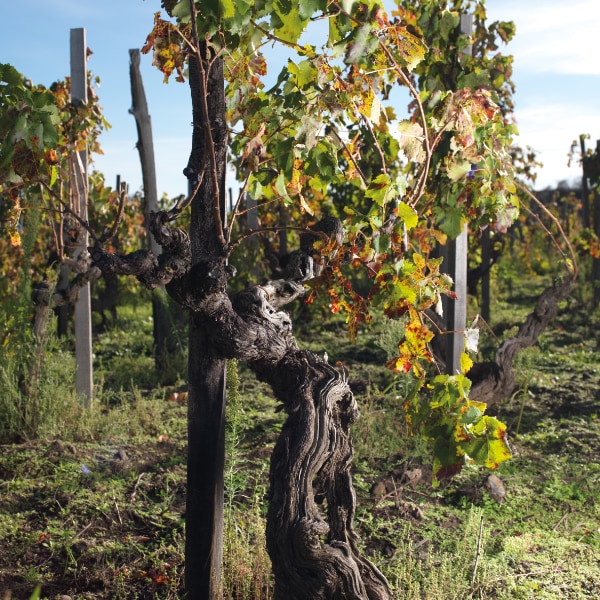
[93, 505]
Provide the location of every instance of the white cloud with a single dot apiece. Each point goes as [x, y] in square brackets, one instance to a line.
[556, 73]
[545, 128]
[552, 36]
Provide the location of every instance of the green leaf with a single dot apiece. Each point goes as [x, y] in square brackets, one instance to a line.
[379, 189]
[375, 221]
[338, 28]
[474, 80]
[407, 215]
[20, 129]
[280, 185]
[471, 415]
[227, 8]
[255, 188]
[303, 73]
[451, 222]
[457, 169]
[309, 7]
[53, 175]
[286, 20]
[182, 10]
[448, 24]
[486, 444]
[361, 44]
[382, 243]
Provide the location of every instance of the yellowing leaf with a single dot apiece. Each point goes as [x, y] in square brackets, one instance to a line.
[408, 215]
[465, 362]
[289, 25]
[457, 169]
[15, 238]
[486, 443]
[410, 48]
[227, 8]
[412, 138]
[371, 107]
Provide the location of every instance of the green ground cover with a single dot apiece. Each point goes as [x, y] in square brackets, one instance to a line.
[93, 506]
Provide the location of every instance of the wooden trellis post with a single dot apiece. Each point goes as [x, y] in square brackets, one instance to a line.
[585, 190]
[83, 319]
[596, 261]
[456, 267]
[145, 146]
[485, 274]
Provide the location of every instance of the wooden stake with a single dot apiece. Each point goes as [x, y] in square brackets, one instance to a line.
[83, 320]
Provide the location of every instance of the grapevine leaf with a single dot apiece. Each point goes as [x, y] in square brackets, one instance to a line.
[382, 243]
[379, 189]
[19, 131]
[308, 131]
[448, 24]
[408, 215]
[458, 169]
[303, 73]
[53, 175]
[227, 8]
[280, 184]
[309, 7]
[286, 20]
[452, 222]
[255, 188]
[411, 48]
[358, 48]
[182, 10]
[486, 443]
[471, 415]
[411, 140]
[465, 362]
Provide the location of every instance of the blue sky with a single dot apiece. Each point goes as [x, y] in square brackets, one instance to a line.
[556, 72]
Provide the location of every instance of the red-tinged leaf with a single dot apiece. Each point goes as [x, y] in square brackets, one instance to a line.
[460, 435]
[255, 146]
[43, 538]
[395, 311]
[399, 365]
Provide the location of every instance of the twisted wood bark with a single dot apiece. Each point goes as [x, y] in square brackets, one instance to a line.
[493, 382]
[310, 535]
[44, 298]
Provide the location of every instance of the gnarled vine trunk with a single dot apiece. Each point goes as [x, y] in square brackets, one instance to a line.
[310, 535]
[311, 539]
[493, 382]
